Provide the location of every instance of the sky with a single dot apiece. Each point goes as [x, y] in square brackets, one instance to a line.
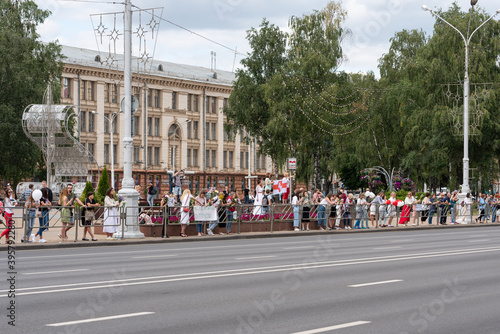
[372, 22]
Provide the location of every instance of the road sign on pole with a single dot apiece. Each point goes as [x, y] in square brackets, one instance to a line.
[292, 163]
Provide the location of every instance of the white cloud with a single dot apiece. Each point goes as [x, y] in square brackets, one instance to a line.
[373, 22]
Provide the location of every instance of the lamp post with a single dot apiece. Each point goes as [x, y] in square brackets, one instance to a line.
[111, 122]
[465, 185]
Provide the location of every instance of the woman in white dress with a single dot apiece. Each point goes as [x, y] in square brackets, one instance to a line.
[111, 221]
[186, 214]
[465, 207]
[257, 210]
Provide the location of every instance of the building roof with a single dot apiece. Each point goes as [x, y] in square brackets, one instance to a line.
[86, 57]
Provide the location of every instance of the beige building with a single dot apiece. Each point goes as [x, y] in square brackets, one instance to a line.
[182, 126]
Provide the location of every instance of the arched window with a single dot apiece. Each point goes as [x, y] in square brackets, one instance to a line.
[174, 131]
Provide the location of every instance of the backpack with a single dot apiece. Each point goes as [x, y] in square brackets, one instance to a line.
[265, 201]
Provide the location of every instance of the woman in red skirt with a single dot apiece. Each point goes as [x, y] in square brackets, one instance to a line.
[8, 204]
[405, 215]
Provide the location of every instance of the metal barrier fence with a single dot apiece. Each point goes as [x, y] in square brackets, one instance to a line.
[367, 216]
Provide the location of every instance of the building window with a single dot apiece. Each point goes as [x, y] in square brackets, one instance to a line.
[106, 92]
[195, 157]
[224, 104]
[242, 136]
[114, 125]
[224, 134]
[157, 127]
[91, 122]
[224, 160]
[263, 162]
[157, 156]
[242, 160]
[114, 93]
[213, 103]
[195, 129]
[156, 96]
[67, 88]
[90, 90]
[136, 155]
[188, 130]
[115, 153]
[190, 102]
[207, 158]
[83, 119]
[231, 159]
[150, 155]
[106, 153]
[196, 107]
[189, 157]
[214, 158]
[106, 123]
[174, 100]
[247, 162]
[207, 104]
[150, 126]
[136, 91]
[82, 90]
[91, 149]
[135, 125]
[214, 131]
[207, 131]
[257, 162]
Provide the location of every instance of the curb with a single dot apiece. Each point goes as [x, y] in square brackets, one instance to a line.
[264, 235]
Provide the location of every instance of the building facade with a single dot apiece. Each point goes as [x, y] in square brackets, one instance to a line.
[179, 123]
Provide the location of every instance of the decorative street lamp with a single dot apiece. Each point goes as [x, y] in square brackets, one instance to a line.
[465, 185]
[388, 177]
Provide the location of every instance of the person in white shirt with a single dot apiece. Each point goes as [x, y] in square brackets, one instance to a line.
[296, 211]
[361, 212]
[322, 209]
[405, 215]
[391, 208]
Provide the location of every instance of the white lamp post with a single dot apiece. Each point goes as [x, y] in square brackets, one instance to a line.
[465, 185]
[110, 121]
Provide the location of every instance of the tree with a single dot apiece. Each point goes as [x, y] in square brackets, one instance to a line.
[27, 66]
[88, 188]
[249, 109]
[103, 185]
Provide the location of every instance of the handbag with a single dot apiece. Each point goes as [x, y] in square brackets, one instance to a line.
[185, 208]
[39, 214]
[89, 215]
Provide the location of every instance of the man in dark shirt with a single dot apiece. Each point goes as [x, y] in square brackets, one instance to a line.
[49, 191]
[177, 180]
[152, 191]
[444, 202]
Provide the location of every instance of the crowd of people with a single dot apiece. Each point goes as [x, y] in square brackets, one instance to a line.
[363, 211]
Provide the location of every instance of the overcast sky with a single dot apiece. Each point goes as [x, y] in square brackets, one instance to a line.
[373, 23]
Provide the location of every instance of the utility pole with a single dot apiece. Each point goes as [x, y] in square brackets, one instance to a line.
[128, 192]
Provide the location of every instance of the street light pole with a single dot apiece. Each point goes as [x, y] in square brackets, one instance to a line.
[128, 192]
[465, 185]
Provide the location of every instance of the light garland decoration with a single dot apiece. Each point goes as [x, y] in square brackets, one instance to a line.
[312, 104]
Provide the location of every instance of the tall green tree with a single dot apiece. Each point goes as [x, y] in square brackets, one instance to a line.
[27, 66]
[249, 111]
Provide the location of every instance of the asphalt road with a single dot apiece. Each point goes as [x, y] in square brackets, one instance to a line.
[433, 281]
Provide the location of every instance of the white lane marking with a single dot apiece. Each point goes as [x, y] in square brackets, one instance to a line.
[298, 247]
[374, 283]
[255, 257]
[401, 240]
[244, 269]
[294, 267]
[121, 316]
[154, 256]
[56, 272]
[332, 328]
[481, 240]
[383, 248]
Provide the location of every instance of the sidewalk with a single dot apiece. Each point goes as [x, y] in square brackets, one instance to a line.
[53, 240]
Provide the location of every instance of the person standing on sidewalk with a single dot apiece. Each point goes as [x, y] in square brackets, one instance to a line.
[152, 191]
[30, 206]
[26, 194]
[8, 204]
[177, 181]
[201, 200]
[444, 202]
[296, 211]
[432, 208]
[44, 208]
[453, 207]
[90, 206]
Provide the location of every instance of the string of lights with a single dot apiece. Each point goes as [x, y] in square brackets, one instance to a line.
[345, 132]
